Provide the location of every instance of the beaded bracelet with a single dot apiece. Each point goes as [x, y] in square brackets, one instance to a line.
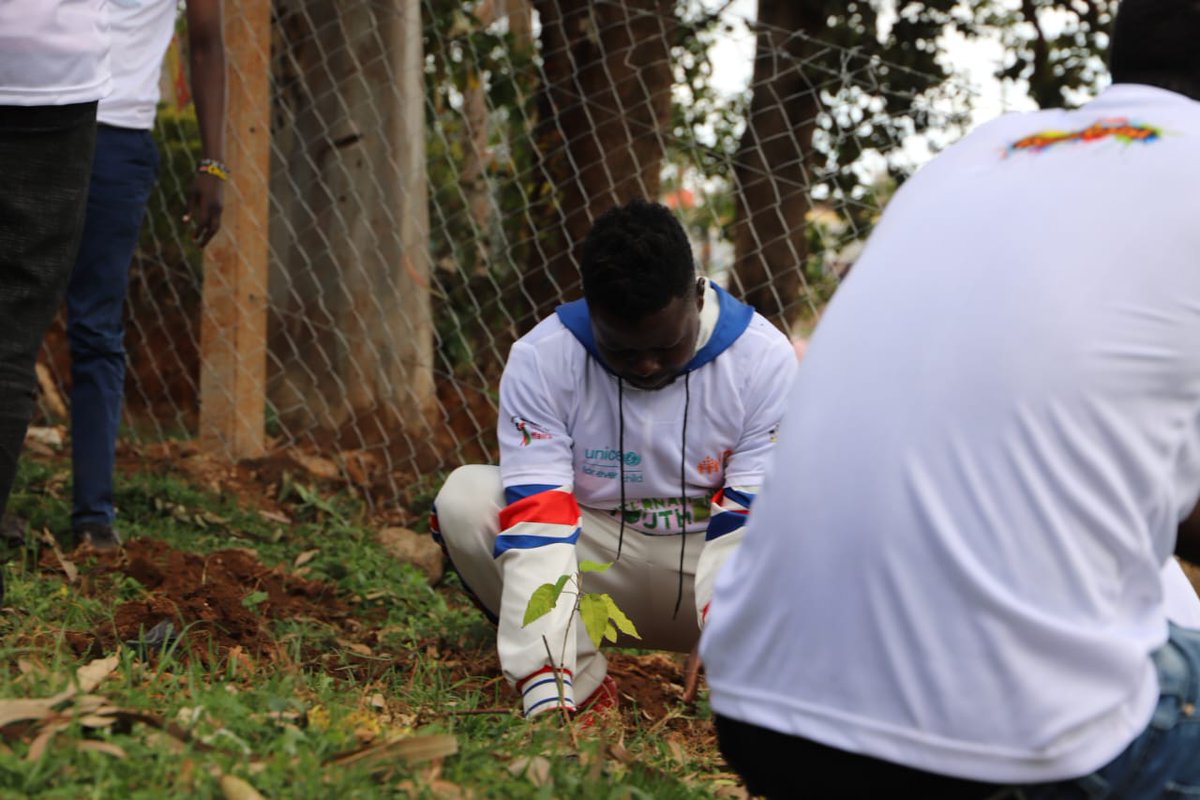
[213, 167]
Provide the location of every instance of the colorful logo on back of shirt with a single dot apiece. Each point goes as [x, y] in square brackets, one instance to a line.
[1118, 128]
[529, 431]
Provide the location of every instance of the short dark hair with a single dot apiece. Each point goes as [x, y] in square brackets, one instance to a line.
[636, 259]
[1157, 42]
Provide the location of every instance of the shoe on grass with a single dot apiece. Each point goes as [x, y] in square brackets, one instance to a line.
[603, 702]
[13, 529]
[97, 535]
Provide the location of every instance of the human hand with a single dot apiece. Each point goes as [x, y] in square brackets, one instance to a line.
[204, 207]
[800, 346]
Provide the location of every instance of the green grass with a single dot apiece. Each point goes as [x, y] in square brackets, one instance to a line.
[399, 665]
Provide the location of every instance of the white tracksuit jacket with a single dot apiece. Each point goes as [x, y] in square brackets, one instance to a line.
[560, 432]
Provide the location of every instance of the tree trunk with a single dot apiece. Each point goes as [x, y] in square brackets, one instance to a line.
[604, 104]
[352, 336]
[769, 172]
[520, 22]
[473, 174]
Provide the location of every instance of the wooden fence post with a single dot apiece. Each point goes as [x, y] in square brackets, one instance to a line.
[233, 328]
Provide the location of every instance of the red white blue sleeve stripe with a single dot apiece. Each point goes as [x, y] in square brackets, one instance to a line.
[731, 507]
[536, 516]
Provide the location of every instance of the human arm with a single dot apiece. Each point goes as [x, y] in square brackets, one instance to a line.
[538, 531]
[206, 51]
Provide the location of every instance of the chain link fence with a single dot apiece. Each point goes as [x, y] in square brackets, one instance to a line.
[391, 304]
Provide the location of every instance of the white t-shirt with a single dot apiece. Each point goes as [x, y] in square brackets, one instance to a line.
[955, 563]
[560, 419]
[53, 52]
[141, 33]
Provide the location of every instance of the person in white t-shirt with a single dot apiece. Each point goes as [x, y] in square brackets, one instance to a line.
[123, 175]
[53, 70]
[953, 580]
[635, 426]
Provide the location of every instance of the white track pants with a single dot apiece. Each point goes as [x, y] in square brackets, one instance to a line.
[644, 582]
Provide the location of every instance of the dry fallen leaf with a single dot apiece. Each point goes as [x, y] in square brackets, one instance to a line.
[445, 790]
[97, 721]
[21, 710]
[102, 747]
[42, 741]
[355, 647]
[409, 749]
[91, 703]
[68, 567]
[275, 516]
[90, 675]
[163, 741]
[234, 788]
[536, 769]
[675, 750]
[189, 715]
[316, 466]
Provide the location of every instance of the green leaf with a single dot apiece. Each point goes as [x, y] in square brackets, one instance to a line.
[594, 566]
[543, 600]
[594, 612]
[610, 632]
[254, 598]
[618, 617]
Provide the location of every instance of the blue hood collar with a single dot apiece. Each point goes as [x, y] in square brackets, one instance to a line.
[732, 321]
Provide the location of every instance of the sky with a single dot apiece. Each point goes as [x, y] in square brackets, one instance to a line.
[975, 63]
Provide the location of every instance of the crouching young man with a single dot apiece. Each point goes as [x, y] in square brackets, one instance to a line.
[634, 428]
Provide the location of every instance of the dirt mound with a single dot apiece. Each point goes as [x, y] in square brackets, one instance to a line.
[651, 682]
[213, 602]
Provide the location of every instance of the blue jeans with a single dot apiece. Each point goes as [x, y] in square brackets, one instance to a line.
[1164, 761]
[123, 174]
[45, 155]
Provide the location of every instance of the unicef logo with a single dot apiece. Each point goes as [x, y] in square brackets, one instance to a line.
[610, 455]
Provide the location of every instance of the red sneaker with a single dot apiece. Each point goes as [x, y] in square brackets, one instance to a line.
[605, 700]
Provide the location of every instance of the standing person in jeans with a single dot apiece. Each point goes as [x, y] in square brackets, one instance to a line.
[53, 68]
[124, 173]
[951, 581]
